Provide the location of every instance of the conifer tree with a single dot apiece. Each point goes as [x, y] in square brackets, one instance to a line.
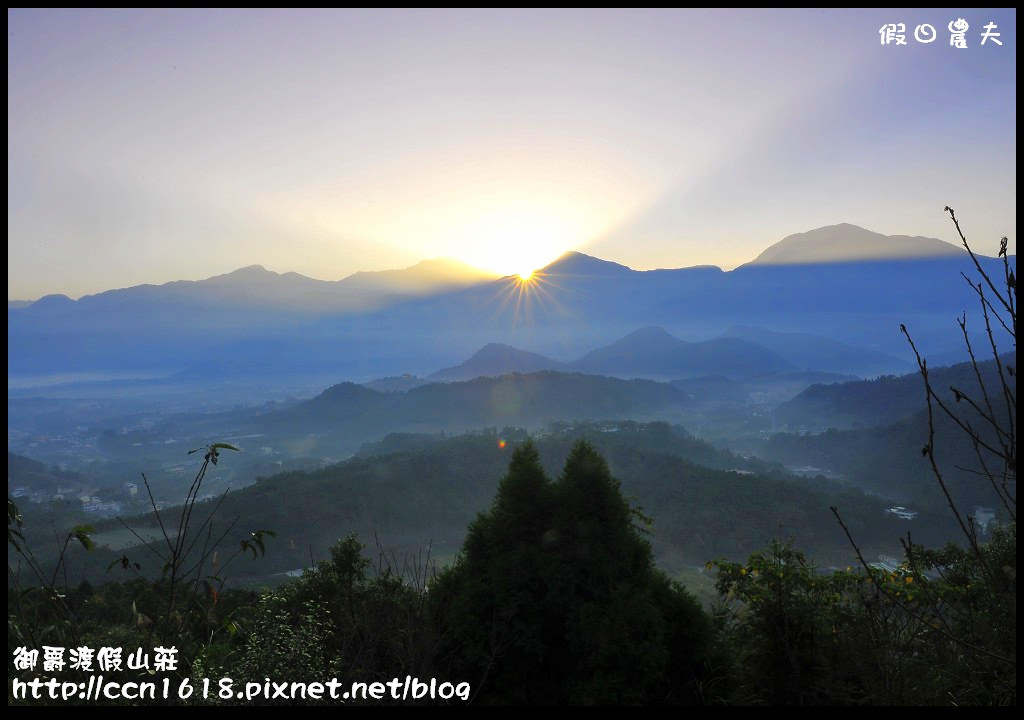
[555, 598]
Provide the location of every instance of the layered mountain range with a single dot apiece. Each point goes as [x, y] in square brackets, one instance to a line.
[831, 299]
[652, 352]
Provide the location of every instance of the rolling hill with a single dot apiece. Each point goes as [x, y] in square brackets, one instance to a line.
[882, 401]
[653, 353]
[496, 359]
[425, 491]
[810, 352]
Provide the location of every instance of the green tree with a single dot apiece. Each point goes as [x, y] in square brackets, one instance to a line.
[796, 636]
[339, 619]
[966, 595]
[555, 598]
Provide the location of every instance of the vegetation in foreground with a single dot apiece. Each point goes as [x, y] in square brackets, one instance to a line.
[555, 599]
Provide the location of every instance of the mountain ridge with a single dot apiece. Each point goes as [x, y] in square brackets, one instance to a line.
[786, 251]
[846, 242]
[365, 331]
[655, 353]
[496, 359]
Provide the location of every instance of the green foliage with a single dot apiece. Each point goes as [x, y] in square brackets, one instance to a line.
[255, 544]
[796, 636]
[213, 451]
[555, 598]
[288, 642]
[969, 602]
[337, 620]
[82, 533]
[790, 634]
[179, 608]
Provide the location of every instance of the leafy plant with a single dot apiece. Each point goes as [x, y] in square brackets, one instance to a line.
[965, 595]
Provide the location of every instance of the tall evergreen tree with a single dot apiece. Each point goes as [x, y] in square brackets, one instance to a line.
[492, 598]
[555, 598]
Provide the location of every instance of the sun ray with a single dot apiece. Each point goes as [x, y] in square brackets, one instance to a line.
[527, 298]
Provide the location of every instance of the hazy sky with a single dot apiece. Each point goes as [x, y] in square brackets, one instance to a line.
[152, 145]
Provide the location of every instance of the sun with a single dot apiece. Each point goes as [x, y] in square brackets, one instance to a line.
[517, 241]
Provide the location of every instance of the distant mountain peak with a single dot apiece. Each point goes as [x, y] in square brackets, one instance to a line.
[440, 265]
[449, 264]
[250, 270]
[846, 242]
[655, 353]
[577, 263]
[423, 278]
[249, 275]
[807, 351]
[495, 359]
[652, 332]
[52, 301]
[492, 348]
[647, 339]
[345, 391]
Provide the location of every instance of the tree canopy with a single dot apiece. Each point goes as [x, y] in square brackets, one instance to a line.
[555, 597]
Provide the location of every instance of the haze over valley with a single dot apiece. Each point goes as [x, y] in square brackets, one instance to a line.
[524, 357]
[436, 351]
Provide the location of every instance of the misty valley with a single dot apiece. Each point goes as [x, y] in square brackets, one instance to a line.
[432, 438]
[511, 357]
